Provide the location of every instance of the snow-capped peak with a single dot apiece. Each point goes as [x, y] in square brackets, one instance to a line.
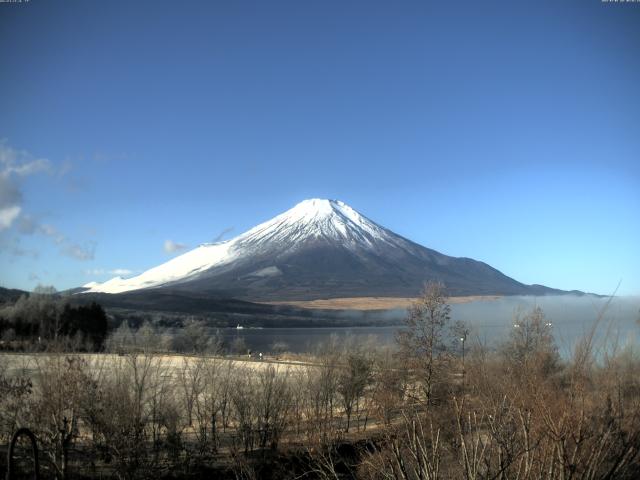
[316, 218]
[317, 208]
[310, 220]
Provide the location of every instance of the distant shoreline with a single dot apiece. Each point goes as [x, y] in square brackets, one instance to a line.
[371, 303]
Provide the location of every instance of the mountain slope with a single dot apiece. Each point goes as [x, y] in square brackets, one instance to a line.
[10, 295]
[318, 249]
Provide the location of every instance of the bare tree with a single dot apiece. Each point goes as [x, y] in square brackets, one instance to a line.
[193, 337]
[243, 398]
[426, 336]
[56, 408]
[353, 379]
[15, 393]
[321, 385]
[531, 348]
[389, 386]
[191, 382]
[133, 407]
[121, 340]
[272, 403]
[211, 404]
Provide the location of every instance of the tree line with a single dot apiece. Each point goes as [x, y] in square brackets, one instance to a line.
[44, 317]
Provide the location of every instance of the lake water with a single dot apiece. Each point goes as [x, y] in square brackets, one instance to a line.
[490, 322]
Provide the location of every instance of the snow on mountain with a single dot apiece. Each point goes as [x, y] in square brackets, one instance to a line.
[314, 219]
[317, 249]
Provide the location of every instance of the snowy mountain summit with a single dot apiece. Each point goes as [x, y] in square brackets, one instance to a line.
[317, 249]
[314, 220]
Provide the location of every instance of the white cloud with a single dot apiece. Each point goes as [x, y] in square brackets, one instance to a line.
[53, 233]
[13, 246]
[82, 253]
[27, 225]
[10, 202]
[20, 162]
[29, 168]
[121, 272]
[95, 271]
[170, 246]
[8, 215]
[67, 247]
[15, 166]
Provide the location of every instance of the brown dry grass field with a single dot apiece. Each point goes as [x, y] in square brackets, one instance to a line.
[15, 364]
[370, 303]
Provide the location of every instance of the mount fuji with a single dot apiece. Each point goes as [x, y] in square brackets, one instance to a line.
[318, 249]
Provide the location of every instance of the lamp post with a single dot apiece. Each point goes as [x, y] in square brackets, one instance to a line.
[463, 339]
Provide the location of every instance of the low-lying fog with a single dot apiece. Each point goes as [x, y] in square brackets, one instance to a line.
[490, 321]
[571, 318]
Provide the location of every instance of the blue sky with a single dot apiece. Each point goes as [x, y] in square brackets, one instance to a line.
[508, 132]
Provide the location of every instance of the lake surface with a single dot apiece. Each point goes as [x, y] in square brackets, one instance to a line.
[490, 322]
